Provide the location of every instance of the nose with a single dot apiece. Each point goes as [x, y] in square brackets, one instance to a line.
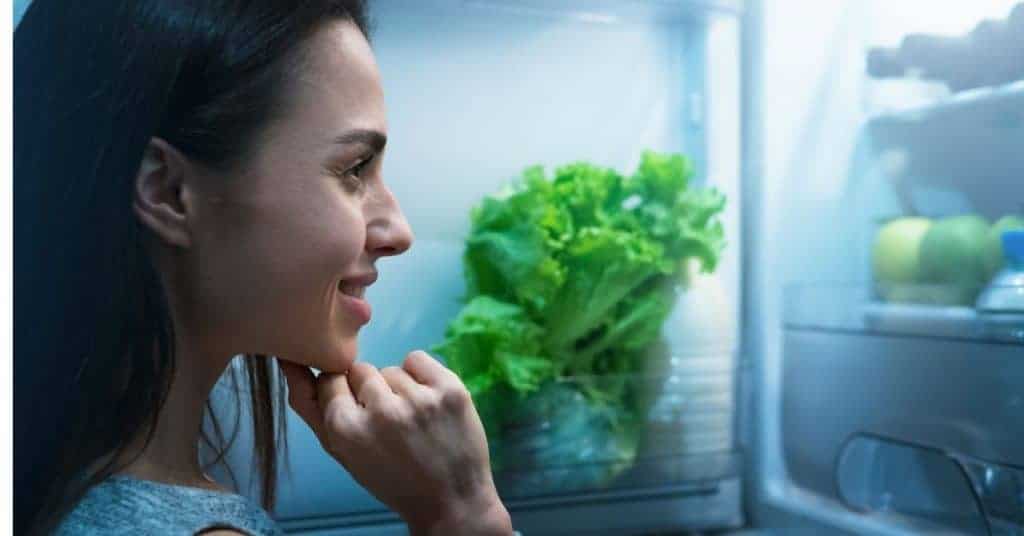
[389, 234]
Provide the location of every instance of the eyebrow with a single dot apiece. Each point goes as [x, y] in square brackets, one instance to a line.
[375, 139]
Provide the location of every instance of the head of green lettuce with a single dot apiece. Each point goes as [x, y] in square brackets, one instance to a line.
[572, 277]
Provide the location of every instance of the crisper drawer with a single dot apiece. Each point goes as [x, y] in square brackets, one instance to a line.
[682, 434]
[567, 471]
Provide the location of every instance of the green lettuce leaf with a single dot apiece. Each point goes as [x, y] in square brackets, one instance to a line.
[511, 251]
[490, 344]
[604, 265]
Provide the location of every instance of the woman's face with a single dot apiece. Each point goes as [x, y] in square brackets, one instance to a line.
[281, 246]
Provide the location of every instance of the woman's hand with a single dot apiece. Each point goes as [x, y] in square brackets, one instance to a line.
[411, 436]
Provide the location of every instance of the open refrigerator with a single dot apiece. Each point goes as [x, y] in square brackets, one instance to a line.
[793, 398]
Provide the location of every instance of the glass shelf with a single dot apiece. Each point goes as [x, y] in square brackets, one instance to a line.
[967, 141]
[980, 102]
[854, 308]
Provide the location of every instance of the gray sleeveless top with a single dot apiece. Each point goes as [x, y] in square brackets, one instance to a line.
[123, 505]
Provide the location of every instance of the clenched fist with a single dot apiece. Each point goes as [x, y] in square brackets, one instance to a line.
[411, 436]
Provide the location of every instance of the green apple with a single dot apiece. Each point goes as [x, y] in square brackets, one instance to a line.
[952, 253]
[994, 244]
[895, 258]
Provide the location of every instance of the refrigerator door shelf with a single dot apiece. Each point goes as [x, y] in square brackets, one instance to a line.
[941, 490]
[960, 396]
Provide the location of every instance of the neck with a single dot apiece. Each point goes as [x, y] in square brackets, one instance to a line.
[172, 456]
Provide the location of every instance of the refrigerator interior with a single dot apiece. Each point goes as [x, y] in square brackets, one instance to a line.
[868, 415]
[477, 90]
[845, 414]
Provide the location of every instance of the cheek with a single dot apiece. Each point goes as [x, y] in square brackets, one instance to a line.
[271, 281]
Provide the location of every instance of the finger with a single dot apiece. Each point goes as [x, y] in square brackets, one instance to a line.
[426, 370]
[334, 394]
[403, 384]
[368, 385]
[302, 393]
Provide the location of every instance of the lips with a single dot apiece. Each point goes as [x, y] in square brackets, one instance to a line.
[352, 290]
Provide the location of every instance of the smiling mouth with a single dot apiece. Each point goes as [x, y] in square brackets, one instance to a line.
[348, 289]
[353, 299]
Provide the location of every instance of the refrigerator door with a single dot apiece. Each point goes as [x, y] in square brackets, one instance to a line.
[476, 91]
[870, 401]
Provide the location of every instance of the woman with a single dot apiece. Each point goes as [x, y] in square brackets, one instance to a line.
[196, 180]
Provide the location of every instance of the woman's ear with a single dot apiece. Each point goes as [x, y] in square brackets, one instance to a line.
[159, 194]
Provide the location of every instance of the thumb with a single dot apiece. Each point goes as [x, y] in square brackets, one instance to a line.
[302, 393]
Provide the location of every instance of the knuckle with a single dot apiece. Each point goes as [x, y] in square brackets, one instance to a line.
[391, 374]
[427, 407]
[337, 420]
[455, 398]
[389, 415]
[417, 356]
[422, 419]
[403, 419]
[346, 434]
[362, 367]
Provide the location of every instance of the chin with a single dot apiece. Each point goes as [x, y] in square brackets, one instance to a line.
[340, 357]
[335, 356]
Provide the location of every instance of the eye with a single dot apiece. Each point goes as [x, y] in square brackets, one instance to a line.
[352, 176]
[357, 170]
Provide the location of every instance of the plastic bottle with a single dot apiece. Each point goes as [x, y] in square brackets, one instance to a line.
[1001, 306]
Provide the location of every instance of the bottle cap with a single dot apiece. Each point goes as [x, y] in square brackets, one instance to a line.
[1013, 246]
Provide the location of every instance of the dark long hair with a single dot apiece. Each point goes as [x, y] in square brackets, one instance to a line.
[93, 338]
